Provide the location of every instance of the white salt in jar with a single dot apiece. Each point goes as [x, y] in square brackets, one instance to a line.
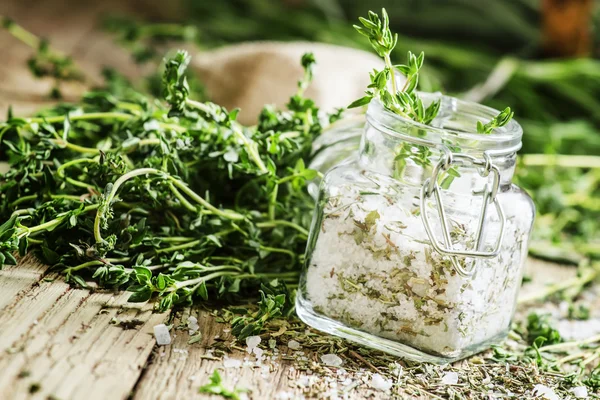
[418, 243]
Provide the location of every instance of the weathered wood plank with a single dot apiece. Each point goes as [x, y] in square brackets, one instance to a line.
[178, 370]
[16, 280]
[68, 343]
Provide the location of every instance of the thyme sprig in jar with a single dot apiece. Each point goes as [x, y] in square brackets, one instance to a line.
[418, 243]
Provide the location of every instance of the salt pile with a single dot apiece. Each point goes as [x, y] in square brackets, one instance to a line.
[372, 268]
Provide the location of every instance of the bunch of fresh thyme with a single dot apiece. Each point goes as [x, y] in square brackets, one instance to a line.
[176, 203]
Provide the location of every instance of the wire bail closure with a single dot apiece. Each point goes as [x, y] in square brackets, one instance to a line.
[431, 188]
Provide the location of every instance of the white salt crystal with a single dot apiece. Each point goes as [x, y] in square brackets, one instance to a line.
[303, 381]
[292, 344]
[192, 324]
[545, 392]
[258, 352]
[580, 392]
[331, 360]
[161, 333]
[450, 378]
[252, 342]
[285, 395]
[232, 362]
[380, 383]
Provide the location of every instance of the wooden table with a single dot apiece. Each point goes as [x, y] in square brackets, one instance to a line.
[58, 342]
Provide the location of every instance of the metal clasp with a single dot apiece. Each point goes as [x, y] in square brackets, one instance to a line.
[431, 187]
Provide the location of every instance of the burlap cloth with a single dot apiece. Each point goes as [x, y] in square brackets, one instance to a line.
[250, 75]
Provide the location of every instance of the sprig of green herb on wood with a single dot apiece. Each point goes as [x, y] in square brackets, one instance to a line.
[215, 386]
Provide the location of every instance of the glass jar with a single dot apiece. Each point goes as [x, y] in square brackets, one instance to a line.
[418, 242]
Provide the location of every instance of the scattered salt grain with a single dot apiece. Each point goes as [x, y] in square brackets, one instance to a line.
[545, 392]
[303, 381]
[161, 333]
[258, 352]
[580, 392]
[450, 378]
[380, 383]
[232, 363]
[292, 344]
[396, 370]
[252, 342]
[192, 324]
[285, 395]
[332, 360]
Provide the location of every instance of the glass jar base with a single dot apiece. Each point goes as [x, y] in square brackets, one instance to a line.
[324, 324]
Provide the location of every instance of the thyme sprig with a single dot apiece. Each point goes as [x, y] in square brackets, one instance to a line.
[403, 101]
[215, 386]
[498, 121]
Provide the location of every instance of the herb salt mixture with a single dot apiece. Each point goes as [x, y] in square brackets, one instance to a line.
[373, 269]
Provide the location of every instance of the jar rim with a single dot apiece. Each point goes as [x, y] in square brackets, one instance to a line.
[503, 140]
